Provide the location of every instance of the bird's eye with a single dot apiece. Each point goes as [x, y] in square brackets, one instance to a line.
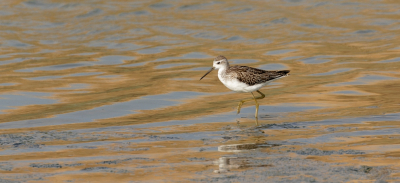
[218, 62]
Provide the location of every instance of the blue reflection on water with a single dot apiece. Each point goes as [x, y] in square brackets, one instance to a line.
[106, 111]
[14, 100]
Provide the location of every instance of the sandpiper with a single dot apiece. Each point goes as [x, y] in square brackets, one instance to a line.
[244, 79]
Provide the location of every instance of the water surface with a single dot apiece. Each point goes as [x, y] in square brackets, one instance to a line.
[110, 90]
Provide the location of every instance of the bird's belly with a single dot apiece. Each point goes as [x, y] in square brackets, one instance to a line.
[237, 86]
[255, 87]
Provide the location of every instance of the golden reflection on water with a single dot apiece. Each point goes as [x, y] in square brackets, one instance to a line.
[77, 75]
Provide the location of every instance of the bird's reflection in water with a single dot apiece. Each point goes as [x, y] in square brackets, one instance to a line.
[227, 163]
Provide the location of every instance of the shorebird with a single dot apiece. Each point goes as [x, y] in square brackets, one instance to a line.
[244, 79]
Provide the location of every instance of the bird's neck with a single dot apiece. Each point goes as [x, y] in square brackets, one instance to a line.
[222, 73]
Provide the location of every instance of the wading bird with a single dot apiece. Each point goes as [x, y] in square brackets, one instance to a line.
[244, 79]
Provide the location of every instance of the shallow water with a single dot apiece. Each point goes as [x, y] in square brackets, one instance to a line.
[110, 90]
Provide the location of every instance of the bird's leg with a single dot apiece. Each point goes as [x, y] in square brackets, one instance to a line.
[262, 95]
[243, 101]
[255, 100]
[257, 105]
[240, 105]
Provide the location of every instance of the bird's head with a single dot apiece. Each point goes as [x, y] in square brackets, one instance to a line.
[218, 63]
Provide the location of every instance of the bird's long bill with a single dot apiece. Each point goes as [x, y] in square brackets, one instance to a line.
[212, 68]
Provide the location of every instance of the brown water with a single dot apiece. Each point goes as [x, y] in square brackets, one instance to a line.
[110, 91]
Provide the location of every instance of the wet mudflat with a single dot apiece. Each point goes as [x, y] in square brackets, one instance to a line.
[109, 91]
